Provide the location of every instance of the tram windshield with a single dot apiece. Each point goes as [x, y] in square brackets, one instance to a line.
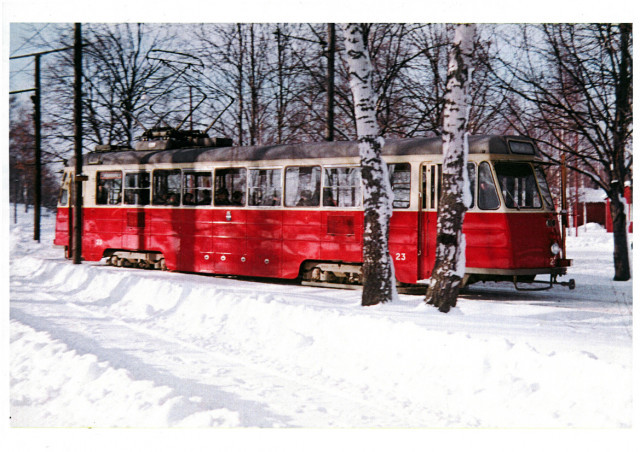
[544, 187]
[518, 185]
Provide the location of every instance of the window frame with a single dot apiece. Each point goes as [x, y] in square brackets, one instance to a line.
[137, 188]
[324, 187]
[495, 187]
[524, 144]
[154, 193]
[518, 193]
[549, 202]
[317, 189]
[230, 195]
[408, 200]
[473, 186]
[197, 188]
[250, 187]
[63, 194]
[109, 190]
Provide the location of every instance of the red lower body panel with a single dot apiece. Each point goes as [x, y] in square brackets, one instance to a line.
[275, 243]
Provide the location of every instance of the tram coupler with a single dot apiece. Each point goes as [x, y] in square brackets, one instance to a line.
[571, 284]
[553, 280]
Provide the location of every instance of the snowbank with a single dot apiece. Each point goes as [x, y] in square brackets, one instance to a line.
[96, 346]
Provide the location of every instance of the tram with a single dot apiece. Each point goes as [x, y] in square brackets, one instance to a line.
[295, 211]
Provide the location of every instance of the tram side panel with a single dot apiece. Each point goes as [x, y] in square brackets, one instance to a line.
[427, 238]
[196, 249]
[403, 245]
[134, 229]
[337, 236]
[488, 240]
[263, 243]
[229, 241]
[102, 229]
[63, 225]
[302, 237]
[342, 236]
[164, 235]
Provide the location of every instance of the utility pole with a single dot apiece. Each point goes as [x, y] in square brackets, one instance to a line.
[331, 58]
[37, 171]
[77, 123]
[37, 174]
[328, 50]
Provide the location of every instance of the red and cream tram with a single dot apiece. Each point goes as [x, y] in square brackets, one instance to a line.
[295, 211]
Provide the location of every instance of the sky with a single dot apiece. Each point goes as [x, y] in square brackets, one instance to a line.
[287, 11]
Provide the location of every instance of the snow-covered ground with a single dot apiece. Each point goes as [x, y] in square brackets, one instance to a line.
[98, 346]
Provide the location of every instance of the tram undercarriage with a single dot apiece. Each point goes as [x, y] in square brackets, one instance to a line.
[137, 259]
[341, 275]
[518, 278]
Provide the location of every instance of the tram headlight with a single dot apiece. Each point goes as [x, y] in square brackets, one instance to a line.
[555, 249]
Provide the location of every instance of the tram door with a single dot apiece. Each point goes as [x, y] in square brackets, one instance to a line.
[430, 187]
[229, 224]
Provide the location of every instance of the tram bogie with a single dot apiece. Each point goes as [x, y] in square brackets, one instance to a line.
[144, 260]
[332, 272]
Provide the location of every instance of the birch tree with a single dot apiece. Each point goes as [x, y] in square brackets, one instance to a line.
[449, 266]
[377, 269]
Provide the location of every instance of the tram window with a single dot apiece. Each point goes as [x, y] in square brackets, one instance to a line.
[63, 198]
[518, 185]
[196, 188]
[521, 147]
[544, 188]
[435, 185]
[136, 188]
[108, 187]
[265, 187]
[487, 194]
[342, 187]
[400, 178]
[166, 187]
[471, 173]
[230, 187]
[302, 186]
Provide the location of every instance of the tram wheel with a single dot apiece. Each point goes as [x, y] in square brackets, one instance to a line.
[316, 274]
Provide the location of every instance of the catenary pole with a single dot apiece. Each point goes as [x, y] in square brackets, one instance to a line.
[77, 120]
[331, 56]
[37, 115]
[37, 174]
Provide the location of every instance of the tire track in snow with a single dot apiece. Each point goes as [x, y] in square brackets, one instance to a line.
[215, 380]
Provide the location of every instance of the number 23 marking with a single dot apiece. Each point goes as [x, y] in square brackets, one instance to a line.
[401, 257]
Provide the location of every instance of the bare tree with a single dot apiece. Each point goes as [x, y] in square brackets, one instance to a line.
[449, 268]
[22, 161]
[240, 63]
[120, 82]
[574, 87]
[378, 273]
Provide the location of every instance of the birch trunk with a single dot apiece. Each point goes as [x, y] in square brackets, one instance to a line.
[377, 269]
[446, 278]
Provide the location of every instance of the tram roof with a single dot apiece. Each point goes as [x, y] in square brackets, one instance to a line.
[478, 144]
